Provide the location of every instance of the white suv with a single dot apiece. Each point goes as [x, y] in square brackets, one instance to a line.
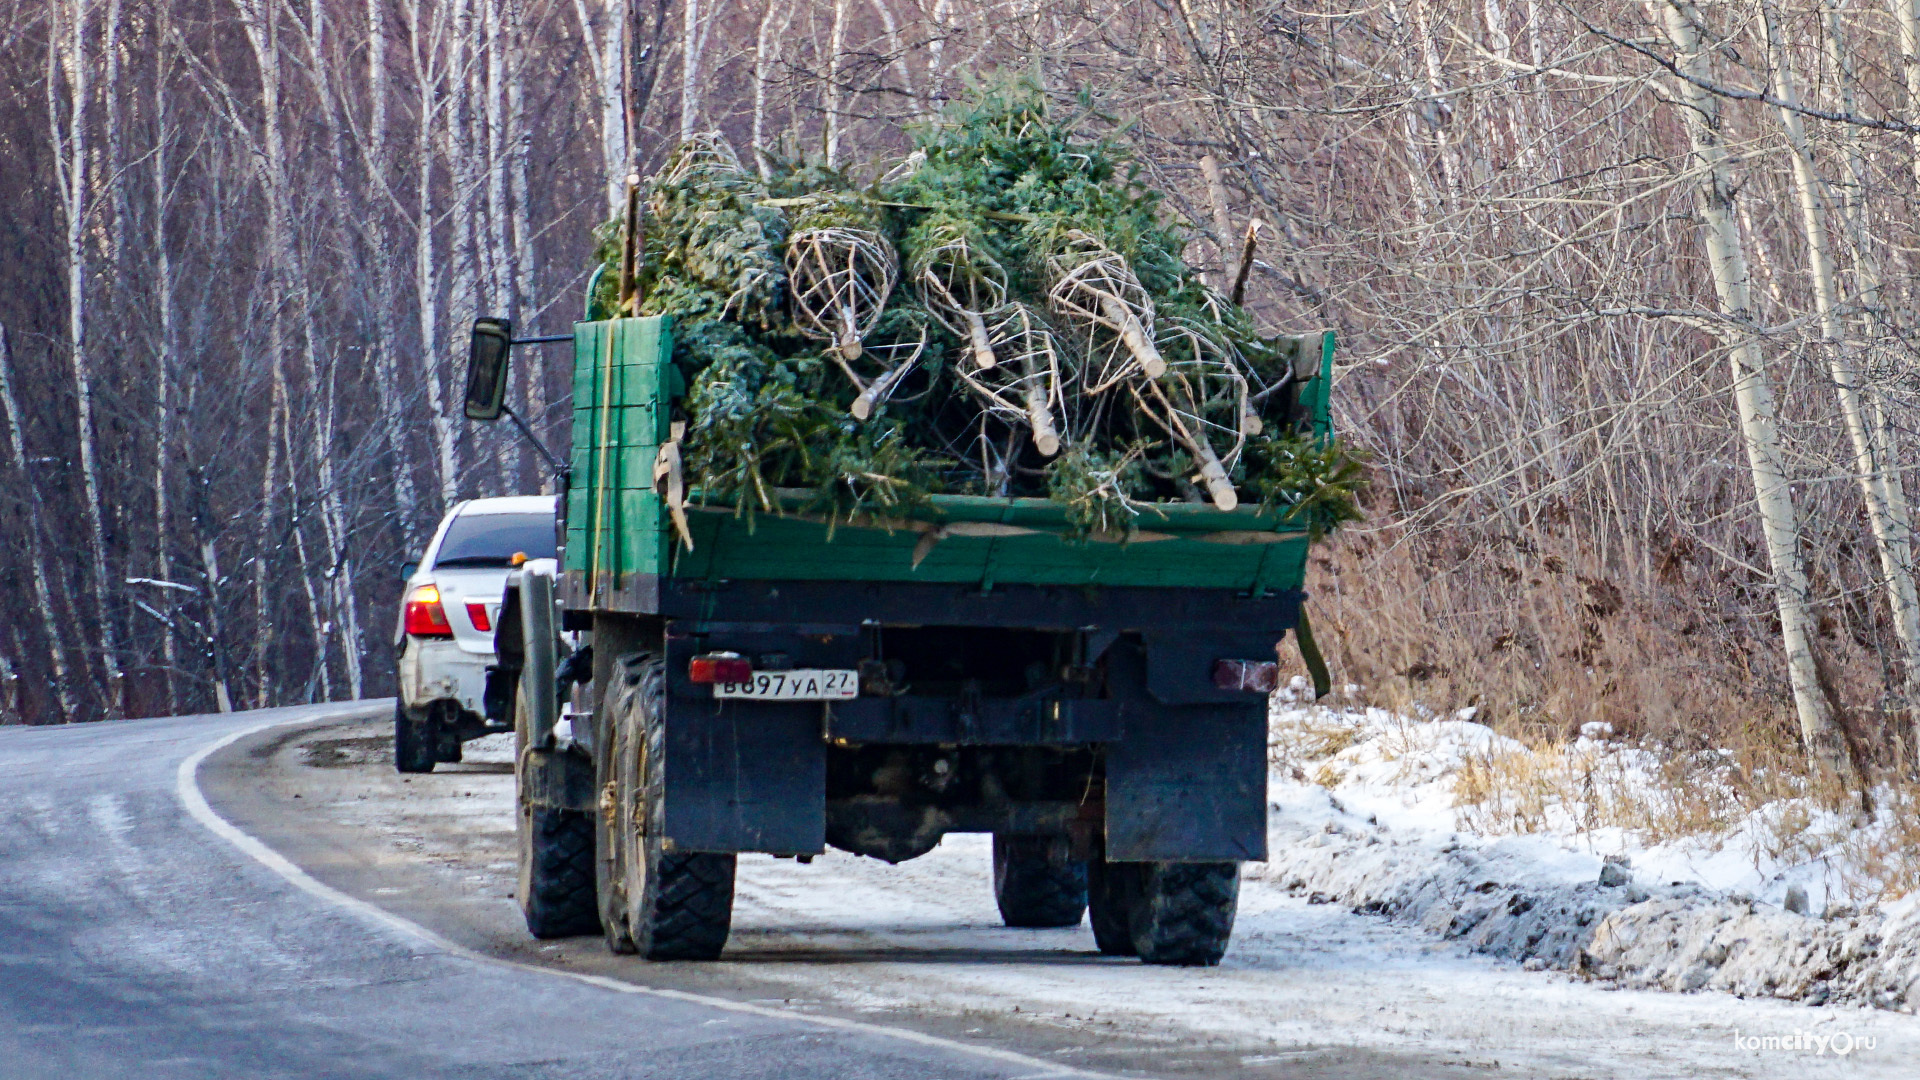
[445, 633]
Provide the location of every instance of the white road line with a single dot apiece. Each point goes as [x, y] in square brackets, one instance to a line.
[187, 786]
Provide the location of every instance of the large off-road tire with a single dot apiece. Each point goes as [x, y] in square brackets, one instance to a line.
[1037, 882]
[413, 741]
[1183, 912]
[1112, 891]
[556, 872]
[677, 905]
[555, 849]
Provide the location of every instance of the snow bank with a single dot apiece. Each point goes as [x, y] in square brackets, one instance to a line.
[1368, 814]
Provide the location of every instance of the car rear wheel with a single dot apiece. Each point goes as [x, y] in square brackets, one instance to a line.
[413, 741]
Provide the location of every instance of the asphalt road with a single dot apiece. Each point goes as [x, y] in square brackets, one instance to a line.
[260, 895]
[142, 936]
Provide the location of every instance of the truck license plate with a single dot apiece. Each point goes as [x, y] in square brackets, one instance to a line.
[805, 684]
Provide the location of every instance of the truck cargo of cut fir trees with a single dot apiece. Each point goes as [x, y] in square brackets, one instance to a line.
[948, 499]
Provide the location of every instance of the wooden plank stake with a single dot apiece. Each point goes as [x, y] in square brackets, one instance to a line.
[1246, 263]
[630, 249]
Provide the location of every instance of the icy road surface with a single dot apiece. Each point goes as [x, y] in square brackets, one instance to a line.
[143, 937]
[1305, 991]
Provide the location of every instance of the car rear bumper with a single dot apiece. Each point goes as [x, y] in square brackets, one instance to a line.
[435, 670]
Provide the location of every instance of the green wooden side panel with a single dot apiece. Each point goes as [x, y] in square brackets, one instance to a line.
[727, 546]
[622, 379]
[617, 526]
[1319, 393]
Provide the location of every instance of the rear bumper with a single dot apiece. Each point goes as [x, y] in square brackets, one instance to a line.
[1182, 762]
[437, 670]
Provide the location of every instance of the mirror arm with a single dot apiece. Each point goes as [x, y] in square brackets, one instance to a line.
[552, 462]
[541, 340]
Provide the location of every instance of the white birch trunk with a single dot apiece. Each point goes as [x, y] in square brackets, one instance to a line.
[68, 38]
[891, 26]
[1726, 257]
[316, 617]
[342, 589]
[1886, 509]
[767, 48]
[260, 20]
[216, 641]
[36, 554]
[836, 97]
[496, 291]
[520, 293]
[9, 685]
[426, 292]
[379, 163]
[1222, 219]
[692, 42]
[1437, 106]
[603, 33]
[1906, 16]
[163, 387]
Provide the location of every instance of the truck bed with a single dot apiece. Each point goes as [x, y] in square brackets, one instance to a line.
[620, 542]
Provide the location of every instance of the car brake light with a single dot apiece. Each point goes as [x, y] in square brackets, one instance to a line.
[720, 667]
[477, 614]
[1257, 676]
[425, 617]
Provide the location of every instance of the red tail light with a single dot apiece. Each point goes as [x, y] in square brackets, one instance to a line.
[425, 617]
[477, 614]
[720, 667]
[1256, 676]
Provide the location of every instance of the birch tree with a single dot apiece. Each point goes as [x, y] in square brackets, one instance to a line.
[1873, 466]
[1725, 246]
[37, 567]
[68, 71]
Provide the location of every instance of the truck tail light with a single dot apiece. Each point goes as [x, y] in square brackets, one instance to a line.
[1255, 676]
[720, 667]
[477, 614]
[425, 617]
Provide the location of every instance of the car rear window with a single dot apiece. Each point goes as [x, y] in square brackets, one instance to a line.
[493, 539]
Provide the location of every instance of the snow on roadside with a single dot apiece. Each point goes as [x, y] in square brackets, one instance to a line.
[1368, 814]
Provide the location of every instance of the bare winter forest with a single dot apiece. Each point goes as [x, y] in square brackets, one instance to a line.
[1625, 294]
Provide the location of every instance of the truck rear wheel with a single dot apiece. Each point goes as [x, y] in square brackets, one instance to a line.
[609, 885]
[1037, 883]
[678, 905]
[413, 741]
[1183, 912]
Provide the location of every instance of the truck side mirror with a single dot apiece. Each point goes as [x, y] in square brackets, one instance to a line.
[487, 367]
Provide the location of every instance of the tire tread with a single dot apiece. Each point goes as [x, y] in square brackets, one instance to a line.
[1034, 886]
[1183, 916]
[560, 900]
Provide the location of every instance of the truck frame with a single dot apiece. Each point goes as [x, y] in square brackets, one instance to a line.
[1098, 704]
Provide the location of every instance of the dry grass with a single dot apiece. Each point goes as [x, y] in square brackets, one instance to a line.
[1555, 786]
[1542, 637]
[1683, 663]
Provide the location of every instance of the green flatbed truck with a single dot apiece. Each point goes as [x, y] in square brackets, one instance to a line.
[788, 682]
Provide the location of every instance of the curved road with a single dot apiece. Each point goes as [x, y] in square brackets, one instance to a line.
[137, 941]
[161, 919]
